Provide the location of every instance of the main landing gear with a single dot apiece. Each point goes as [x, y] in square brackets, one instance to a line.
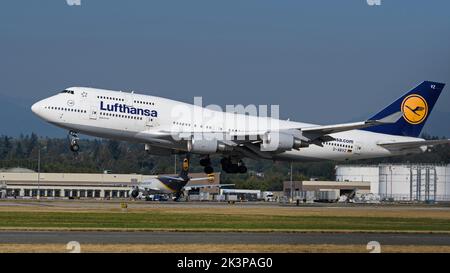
[206, 163]
[229, 166]
[73, 138]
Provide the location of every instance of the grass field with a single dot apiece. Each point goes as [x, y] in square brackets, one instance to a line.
[144, 217]
[211, 248]
[226, 219]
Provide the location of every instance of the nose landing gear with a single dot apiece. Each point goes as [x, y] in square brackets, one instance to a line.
[73, 139]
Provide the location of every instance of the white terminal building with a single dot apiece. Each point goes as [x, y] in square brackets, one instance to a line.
[401, 182]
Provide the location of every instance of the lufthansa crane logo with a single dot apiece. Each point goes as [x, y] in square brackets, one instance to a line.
[414, 109]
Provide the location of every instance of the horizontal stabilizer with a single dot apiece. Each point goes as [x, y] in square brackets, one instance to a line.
[398, 146]
[190, 187]
[393, 118]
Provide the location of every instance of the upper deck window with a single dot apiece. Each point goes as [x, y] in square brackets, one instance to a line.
[67, 91]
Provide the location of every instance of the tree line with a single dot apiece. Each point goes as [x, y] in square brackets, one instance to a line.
[98, 155]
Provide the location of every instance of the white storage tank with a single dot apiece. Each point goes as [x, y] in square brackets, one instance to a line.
[363, 173]
[401, 182]
[395, 182]
[443, 183]
[416, 182]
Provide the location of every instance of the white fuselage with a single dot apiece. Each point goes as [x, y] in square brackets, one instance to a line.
[149, 119]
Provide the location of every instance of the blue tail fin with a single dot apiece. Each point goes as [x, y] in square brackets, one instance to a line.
[416, 106]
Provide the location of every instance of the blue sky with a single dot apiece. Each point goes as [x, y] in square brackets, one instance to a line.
[311, 57]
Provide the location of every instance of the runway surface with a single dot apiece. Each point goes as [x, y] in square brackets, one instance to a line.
[114, 204]
[14, 237]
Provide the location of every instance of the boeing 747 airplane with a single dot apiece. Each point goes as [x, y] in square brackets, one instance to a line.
[167, 126]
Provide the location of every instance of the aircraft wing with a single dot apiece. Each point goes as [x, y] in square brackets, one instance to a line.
[190, 187]
[178, 178]
[319, 134]
[247, 143]
[398, 146]
[316, 132]
[201, 178]
[150, 189]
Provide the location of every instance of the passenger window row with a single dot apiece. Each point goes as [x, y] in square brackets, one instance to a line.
[144, 102]
[195, 125]
[110, 98]
[65, 109]
[120, 116]
[338, 145]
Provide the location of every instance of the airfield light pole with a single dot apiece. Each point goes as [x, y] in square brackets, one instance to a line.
[39, 173]
[292, 186]
[175, 164]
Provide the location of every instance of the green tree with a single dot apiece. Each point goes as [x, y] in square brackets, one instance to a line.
[114, 149]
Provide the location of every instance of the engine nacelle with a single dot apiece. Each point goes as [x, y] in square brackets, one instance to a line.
[153, 150]
[202, 146]
[279, 142]
[206, 146]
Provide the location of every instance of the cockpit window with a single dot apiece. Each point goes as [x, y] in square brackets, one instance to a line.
[67, 91]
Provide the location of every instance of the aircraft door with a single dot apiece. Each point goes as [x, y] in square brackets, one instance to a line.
[357, 148]
[93, 113]
[150, 122]
[129, 99]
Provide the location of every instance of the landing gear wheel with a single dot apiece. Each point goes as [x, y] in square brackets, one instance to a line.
[208, 170]
[73, 139]
[233, 168]
[75, 148]
[205, 162]
[229, 167]
[242, 169]
[225, 161]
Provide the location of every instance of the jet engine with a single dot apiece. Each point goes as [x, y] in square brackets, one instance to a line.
[205, 146]
[280, 142]
[154, 150]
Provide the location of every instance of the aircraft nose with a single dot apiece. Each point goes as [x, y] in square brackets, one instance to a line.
[36, 108]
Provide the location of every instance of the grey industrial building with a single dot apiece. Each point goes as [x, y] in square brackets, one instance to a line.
[304, 186]
[391, 182]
